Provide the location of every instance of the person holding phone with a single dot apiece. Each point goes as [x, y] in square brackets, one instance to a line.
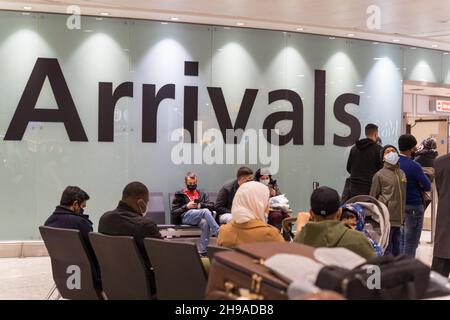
[193, 207]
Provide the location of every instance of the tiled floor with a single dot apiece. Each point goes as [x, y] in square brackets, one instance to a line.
[31, 278]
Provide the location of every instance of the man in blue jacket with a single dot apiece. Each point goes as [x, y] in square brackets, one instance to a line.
[416, 184]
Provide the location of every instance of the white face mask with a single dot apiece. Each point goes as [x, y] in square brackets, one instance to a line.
[391, 158]
[265, 181]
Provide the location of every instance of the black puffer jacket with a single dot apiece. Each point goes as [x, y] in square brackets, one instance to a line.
[425, 157]
[363, 162]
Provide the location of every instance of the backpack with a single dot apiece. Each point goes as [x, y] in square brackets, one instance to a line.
[401, 277]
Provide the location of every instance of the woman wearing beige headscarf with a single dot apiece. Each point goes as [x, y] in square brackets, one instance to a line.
[250, 206]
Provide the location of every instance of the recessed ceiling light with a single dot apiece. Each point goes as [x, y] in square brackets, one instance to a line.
[375, 42]
[395, 40]
[26, 13]
[300, 75]
[104, 13]
[359, 85]
[361, 92]
[27, 8]
[227, 28]
[434, 46]
[164, 22]
[98, 18]
[445, 53]
[299, 29]
[331, 38]
[240, 23]
[350, 34]
[174, 19]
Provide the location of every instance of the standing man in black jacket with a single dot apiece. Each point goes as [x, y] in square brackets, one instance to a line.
[193, 207]
[363, 162]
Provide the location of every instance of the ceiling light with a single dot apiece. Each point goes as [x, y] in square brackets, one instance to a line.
[164, 22]
[240, 23]
[359, 85]
[104, 13]
[413, 48]
[98, 18]
[227, 28]
[174, 19]
[375, 43]
[88, 30]
[395, 40]
[27, 8]
[445, 53]
[350, 34]
[361, 92]
[376, 58]
[300, 75]
[26, 13]
[331, 38]
[299, 29]
[434, 46]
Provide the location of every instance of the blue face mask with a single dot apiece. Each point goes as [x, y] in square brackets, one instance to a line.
[392, 158]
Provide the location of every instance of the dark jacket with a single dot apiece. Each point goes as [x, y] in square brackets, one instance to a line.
[225, 197]
[179, 204]
[67, 219]
[425, 157]
[417, 181]
[363, 162]
[124, 221]
[442, 237]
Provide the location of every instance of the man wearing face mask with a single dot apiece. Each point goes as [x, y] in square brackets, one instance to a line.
[128, 219]
[194, 208]
[389, 187]
[70, 215]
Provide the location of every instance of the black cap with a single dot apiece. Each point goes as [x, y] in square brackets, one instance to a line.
[325, 201]
[406, 142]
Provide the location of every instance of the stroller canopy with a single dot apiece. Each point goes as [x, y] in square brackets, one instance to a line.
[373, 220]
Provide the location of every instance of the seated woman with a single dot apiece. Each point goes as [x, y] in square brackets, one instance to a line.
[248, 224]
[276, 215]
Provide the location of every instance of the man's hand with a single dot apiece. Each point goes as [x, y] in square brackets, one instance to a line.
[192, 205]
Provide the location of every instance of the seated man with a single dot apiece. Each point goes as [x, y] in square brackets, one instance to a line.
[128, 220]
[327, 230]
[70, 215]
[226, 194]
[194, 208]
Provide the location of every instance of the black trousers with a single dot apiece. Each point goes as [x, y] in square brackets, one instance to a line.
[441, 265]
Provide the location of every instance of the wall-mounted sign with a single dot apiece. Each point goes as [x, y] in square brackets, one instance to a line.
[443, 105]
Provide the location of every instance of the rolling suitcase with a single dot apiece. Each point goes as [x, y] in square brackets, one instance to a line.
[241, 273]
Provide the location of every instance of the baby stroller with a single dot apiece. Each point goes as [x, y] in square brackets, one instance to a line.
[372, 219]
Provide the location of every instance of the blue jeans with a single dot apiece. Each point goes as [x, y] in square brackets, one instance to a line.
[393, 247]
[412, 229]
[205, 221]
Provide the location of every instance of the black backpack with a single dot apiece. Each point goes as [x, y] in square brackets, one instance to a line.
[401, 277]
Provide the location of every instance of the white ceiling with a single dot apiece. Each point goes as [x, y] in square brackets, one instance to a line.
[424, 23]
[426, 89]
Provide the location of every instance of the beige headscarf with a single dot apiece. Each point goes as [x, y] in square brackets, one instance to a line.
[250, 202]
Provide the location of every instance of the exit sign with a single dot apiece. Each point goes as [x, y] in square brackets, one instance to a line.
[443, 105]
